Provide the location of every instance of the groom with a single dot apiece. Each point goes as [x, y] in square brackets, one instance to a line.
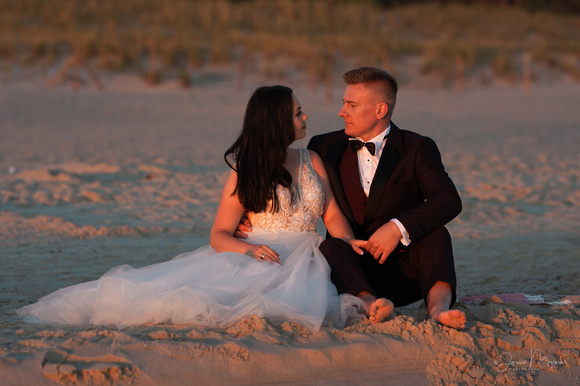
[392, 187]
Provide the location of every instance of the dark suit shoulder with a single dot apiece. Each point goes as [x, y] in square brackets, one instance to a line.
[408, 139]
[322, 141]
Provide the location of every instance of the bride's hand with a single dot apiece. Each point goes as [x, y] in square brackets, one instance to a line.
[263, 252]
[357, 245]
[244, 227]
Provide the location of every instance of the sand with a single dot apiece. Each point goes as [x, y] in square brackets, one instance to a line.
[93, 179]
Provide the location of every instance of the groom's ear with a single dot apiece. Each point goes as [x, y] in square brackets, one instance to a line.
[382, 110]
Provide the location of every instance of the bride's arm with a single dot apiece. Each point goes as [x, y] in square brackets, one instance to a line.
[228, 216]
[334, 220]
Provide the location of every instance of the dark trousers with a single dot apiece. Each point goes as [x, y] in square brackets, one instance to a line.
[407, 275]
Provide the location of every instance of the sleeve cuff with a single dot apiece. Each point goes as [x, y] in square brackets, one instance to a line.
[405, 235]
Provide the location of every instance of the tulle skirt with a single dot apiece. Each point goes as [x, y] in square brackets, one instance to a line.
[208, 288]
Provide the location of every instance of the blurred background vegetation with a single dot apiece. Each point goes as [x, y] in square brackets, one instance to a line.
[278, 37]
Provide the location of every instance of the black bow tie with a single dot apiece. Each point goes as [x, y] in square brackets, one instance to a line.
[357, 144]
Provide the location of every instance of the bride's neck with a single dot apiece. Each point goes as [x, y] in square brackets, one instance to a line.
[292, 163]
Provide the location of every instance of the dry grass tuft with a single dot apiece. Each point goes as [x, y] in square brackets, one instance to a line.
[285, 33]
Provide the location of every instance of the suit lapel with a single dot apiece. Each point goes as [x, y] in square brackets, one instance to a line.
[385, 168]
[332, 160]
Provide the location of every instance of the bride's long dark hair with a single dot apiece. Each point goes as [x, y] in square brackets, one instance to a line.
[260, 151]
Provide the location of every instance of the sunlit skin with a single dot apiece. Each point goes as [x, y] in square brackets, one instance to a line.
[364, 111]
[379, 310]
[299, 119]
[438, 305]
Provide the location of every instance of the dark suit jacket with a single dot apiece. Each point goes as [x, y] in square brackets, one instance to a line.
[410, 183]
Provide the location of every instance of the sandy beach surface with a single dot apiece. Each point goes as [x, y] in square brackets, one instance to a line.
[132, 174]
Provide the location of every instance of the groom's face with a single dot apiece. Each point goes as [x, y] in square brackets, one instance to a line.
[359, 111]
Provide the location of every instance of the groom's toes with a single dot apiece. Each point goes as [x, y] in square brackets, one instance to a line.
[380, 310]
[452, 318]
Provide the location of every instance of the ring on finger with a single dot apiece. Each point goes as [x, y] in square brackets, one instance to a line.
[263, 255]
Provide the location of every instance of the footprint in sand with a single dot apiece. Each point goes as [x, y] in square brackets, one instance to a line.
[61, 366]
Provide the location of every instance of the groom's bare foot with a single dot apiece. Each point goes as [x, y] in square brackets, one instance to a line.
[450, 318]
[439, 301]
[379, 309]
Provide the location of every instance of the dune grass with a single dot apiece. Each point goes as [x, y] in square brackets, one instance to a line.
[280, 35]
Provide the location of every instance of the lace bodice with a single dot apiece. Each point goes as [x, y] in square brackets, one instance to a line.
[303, 214]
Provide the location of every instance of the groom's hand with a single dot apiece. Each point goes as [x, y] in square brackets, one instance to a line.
[384, 241]
[244, 227]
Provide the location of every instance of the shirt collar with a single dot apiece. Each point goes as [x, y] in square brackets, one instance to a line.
[379, 138]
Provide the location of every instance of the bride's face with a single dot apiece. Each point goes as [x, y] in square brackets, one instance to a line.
[299, 119]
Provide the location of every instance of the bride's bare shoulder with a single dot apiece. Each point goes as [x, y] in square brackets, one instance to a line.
[293, 152]
[292, 157]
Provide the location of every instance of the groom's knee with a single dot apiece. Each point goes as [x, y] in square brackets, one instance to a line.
[437, 242]
[334, 249]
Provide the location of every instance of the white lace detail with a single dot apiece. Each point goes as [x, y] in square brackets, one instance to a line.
[303, 214]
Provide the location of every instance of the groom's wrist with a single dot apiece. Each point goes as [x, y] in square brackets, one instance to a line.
[404, 234]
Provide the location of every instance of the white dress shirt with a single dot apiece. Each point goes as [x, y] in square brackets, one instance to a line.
[367, 167]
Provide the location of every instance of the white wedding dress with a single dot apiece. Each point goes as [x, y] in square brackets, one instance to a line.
[214, 289]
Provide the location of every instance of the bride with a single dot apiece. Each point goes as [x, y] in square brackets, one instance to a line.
[278, 272]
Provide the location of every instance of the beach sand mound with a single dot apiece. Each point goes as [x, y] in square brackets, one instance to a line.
[504, 343]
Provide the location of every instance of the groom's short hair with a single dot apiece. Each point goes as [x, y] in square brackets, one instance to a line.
[372, 75]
